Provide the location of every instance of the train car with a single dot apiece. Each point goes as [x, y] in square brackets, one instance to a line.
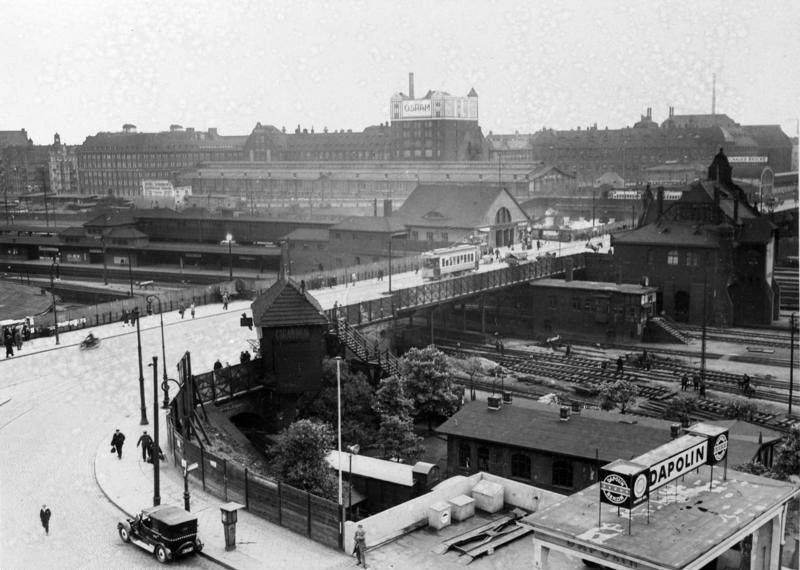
[450, 261]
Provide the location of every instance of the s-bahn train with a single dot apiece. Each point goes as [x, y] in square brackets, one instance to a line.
[446, 261]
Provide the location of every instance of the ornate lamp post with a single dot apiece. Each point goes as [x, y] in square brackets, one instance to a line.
[154, 454]
[143, 420]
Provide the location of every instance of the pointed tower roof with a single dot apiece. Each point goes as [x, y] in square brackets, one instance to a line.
[472, 93]
[285, 305]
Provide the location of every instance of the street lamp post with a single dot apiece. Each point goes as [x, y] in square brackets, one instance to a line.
[154, 455]
[143, 420]
[339, 430]
[164, 386]
[53, 294]
[791, 360]
[229, 238]
[130, 273]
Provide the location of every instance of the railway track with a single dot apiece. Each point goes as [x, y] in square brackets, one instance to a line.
[587, 373]
[740, 336]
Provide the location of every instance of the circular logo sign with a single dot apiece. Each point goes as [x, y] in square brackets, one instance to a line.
[615, 489]
[640, 486]
[720, 447]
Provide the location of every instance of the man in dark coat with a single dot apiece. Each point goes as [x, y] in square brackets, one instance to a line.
[116, 442]
[8, 341]
[145, 441]
[44, 516]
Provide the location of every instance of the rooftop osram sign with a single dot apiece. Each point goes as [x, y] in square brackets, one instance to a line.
[416, 108]
[679, 464]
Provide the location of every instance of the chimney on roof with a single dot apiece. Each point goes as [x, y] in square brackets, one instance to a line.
[671, 111]
[650, 113]
[411, 85]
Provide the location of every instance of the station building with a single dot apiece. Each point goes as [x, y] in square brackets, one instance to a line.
[710, 252]
[530, 442]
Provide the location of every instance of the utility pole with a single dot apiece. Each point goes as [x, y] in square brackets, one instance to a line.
[703, 337]
[154, 455]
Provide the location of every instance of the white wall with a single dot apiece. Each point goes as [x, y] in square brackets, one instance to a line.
[397, 521]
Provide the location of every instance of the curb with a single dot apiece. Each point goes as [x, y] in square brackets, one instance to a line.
[127, 514]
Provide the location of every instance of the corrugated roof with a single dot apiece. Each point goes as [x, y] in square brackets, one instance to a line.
[373, 468]
[283, 305]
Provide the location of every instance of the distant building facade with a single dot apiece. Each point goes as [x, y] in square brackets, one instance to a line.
[630, 152]
[39, 168]
[117, 162]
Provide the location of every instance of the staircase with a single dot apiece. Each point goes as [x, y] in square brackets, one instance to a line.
[664, 327]
[359, 346]
[788, 280]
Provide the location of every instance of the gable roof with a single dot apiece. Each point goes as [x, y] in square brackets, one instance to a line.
[536, 426]
[452, 205]
[284, 305]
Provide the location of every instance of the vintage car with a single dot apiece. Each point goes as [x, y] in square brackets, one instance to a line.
[165, 530]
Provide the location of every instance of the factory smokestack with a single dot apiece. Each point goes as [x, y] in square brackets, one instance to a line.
[411, 85]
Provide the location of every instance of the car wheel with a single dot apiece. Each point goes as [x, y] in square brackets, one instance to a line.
[161, 554]
[124, 534]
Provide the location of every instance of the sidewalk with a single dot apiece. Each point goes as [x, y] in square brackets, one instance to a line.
[260, 545]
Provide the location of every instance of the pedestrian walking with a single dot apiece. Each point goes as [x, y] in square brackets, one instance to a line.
[134, 316]
[8, 341]
[191, 309]
[124, 317]
[18, 338]
[117, 440]
[695, 382]
[684, 382]
[568, 350]
[360, 546]
[303, 286]
[619, 363]
[151, 450]
[225, 301]
[44, 516]
[145, 441]
[702, 388]
[181, 309]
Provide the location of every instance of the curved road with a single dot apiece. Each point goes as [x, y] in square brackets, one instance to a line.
[57, 405]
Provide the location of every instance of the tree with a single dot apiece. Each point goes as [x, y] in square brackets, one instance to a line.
[787, 459]
[397, 440]
[620, 393]
[300, 457]
[679, 409]
[359, 421]
[391, 399]
[429, 383]
[739, 410]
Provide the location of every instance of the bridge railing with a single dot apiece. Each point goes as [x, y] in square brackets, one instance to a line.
[229, 381]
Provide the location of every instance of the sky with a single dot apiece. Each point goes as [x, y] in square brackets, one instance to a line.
[88, 66]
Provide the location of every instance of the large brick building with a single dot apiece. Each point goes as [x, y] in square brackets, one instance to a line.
[117, 163]
[709, 252]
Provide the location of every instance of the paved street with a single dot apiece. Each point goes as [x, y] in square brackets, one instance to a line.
[58, 406]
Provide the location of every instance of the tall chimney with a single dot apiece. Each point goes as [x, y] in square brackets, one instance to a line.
[714, 95]
[411, 85]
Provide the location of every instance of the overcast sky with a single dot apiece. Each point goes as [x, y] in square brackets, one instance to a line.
[85, 66]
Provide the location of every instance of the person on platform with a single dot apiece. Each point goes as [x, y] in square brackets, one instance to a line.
[191, 309]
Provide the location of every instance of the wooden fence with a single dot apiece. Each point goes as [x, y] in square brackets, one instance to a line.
[300, 511]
